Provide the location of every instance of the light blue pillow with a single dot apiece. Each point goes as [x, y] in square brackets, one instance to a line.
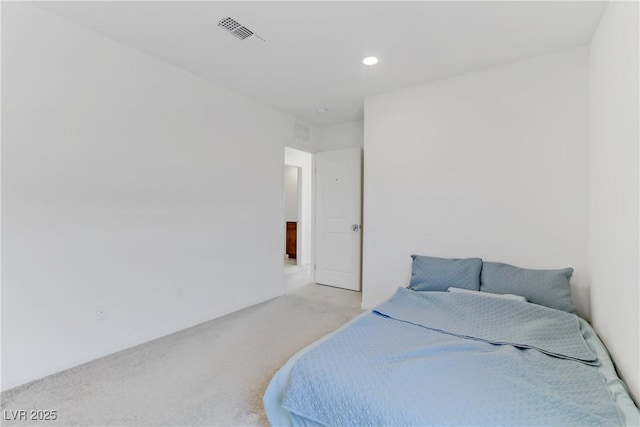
[543, 287]
[438, 274]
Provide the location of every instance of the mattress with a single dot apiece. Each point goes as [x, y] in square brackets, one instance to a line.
[444, 359]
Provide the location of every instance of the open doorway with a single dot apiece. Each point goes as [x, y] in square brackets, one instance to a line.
[298, 206]
[291, 213]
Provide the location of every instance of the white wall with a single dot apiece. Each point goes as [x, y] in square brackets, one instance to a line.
[304, 161]
[128, 185]
[490, 164]
[291, 196]
[343, 135]
[613, 211]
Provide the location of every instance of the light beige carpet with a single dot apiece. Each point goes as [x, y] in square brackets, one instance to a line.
[213, 374]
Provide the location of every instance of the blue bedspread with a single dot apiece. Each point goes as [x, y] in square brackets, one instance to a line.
[441, 359]
[493, 320]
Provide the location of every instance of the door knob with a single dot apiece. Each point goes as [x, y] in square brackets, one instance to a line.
[355, 227]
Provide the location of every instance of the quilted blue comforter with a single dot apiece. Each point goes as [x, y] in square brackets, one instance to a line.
[437, 358]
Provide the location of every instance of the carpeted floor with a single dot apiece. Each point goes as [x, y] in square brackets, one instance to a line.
[213, 374]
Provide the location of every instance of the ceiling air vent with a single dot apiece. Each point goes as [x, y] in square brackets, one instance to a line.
[301, 131]
[238, 30]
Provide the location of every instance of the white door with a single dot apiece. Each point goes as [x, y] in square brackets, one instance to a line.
[338, 218]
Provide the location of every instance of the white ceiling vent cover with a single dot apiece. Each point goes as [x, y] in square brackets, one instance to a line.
[301, 131]
[239, 31]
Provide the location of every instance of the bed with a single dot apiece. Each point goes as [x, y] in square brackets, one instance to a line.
[437, 354]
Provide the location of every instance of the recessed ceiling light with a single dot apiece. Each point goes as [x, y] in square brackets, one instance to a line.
[370, 60]
[322, 110]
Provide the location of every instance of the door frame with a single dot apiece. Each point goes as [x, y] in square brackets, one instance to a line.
[306, 192]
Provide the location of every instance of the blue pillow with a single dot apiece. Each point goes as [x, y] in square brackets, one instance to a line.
[438, 274]
[543, 287]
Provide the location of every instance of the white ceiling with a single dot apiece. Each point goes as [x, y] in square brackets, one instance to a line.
[313, 50]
